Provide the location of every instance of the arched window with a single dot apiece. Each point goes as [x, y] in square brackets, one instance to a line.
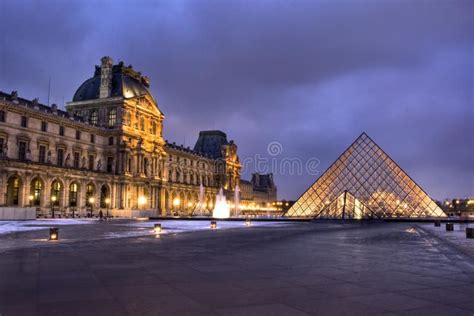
[89, 194]
[56, 189]
[73, 188]
[13, 191]
[112, 117]
[94, 117]
[36, 191]
[104, 197]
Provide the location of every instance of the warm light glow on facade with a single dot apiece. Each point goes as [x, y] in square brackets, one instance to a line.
[142, 200]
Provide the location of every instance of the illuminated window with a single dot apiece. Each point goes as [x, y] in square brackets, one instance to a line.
[89, 193]
[112, 118]
[94, 117]
[56, 189]
[36, 190]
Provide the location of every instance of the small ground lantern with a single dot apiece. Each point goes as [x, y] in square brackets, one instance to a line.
[53, 233]
[248, 222]
[157, 228]
[213, 224]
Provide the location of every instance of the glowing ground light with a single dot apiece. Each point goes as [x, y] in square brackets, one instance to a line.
[53, 233]
[157, 228]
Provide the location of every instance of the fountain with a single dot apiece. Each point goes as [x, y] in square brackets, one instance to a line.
[221, 208]
[199, 210]
[237, 201]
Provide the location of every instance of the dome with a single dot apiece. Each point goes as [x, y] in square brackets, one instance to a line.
[126, 83]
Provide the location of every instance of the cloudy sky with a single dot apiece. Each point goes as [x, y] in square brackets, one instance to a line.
[309, 75]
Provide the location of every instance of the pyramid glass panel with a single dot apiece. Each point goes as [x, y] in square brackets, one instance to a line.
[364, 183]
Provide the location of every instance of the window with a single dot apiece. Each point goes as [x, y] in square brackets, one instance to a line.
[24, 121]
[36, 188]
[2, 116]
[42, 154]
[44, 126]
[60, 157]
[112, 118]
[15, 190]
[77, 159]
[92, 138]
[129, 164]
[111, 140]
[73, 194]
[22, 150]
[142, 123]
[153, 128]
[94, 118]
[61, 130]
[2, 143]
[89, 193]
[78, 134]
[56, 189]
[91, 162]
[110, 164]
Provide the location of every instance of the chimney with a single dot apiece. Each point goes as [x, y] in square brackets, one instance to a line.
[106, 77]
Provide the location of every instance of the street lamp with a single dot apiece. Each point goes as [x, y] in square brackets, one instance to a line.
[30, 198]
[91, 203]
[53, 200]
[107, 202]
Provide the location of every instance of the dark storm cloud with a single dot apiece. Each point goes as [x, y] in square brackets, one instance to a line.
[311, 75]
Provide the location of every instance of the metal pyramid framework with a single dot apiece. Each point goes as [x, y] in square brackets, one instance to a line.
[364, 182]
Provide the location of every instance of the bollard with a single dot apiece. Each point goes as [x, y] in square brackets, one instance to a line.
[437, 223]
[53, 233]
[470, 233]
[449, 227]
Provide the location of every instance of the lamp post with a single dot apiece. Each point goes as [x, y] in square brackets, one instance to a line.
[53, 200]
[91, 203]
[107, 202]
[30, 199]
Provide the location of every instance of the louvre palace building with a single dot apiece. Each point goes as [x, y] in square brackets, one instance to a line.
[107, 152]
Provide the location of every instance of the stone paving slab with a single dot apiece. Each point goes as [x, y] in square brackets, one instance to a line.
[317, 268]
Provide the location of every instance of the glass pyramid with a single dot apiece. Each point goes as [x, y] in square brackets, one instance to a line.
[364, 182]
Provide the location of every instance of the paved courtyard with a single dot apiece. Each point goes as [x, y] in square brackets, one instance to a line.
[321, 268]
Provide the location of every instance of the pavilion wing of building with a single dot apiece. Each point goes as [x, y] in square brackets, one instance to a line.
[364, 182]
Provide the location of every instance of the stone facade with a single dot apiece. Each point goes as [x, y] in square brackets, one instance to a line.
[259, 193]
[106, 151]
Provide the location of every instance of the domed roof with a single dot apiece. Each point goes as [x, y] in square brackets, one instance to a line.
[126, 83]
